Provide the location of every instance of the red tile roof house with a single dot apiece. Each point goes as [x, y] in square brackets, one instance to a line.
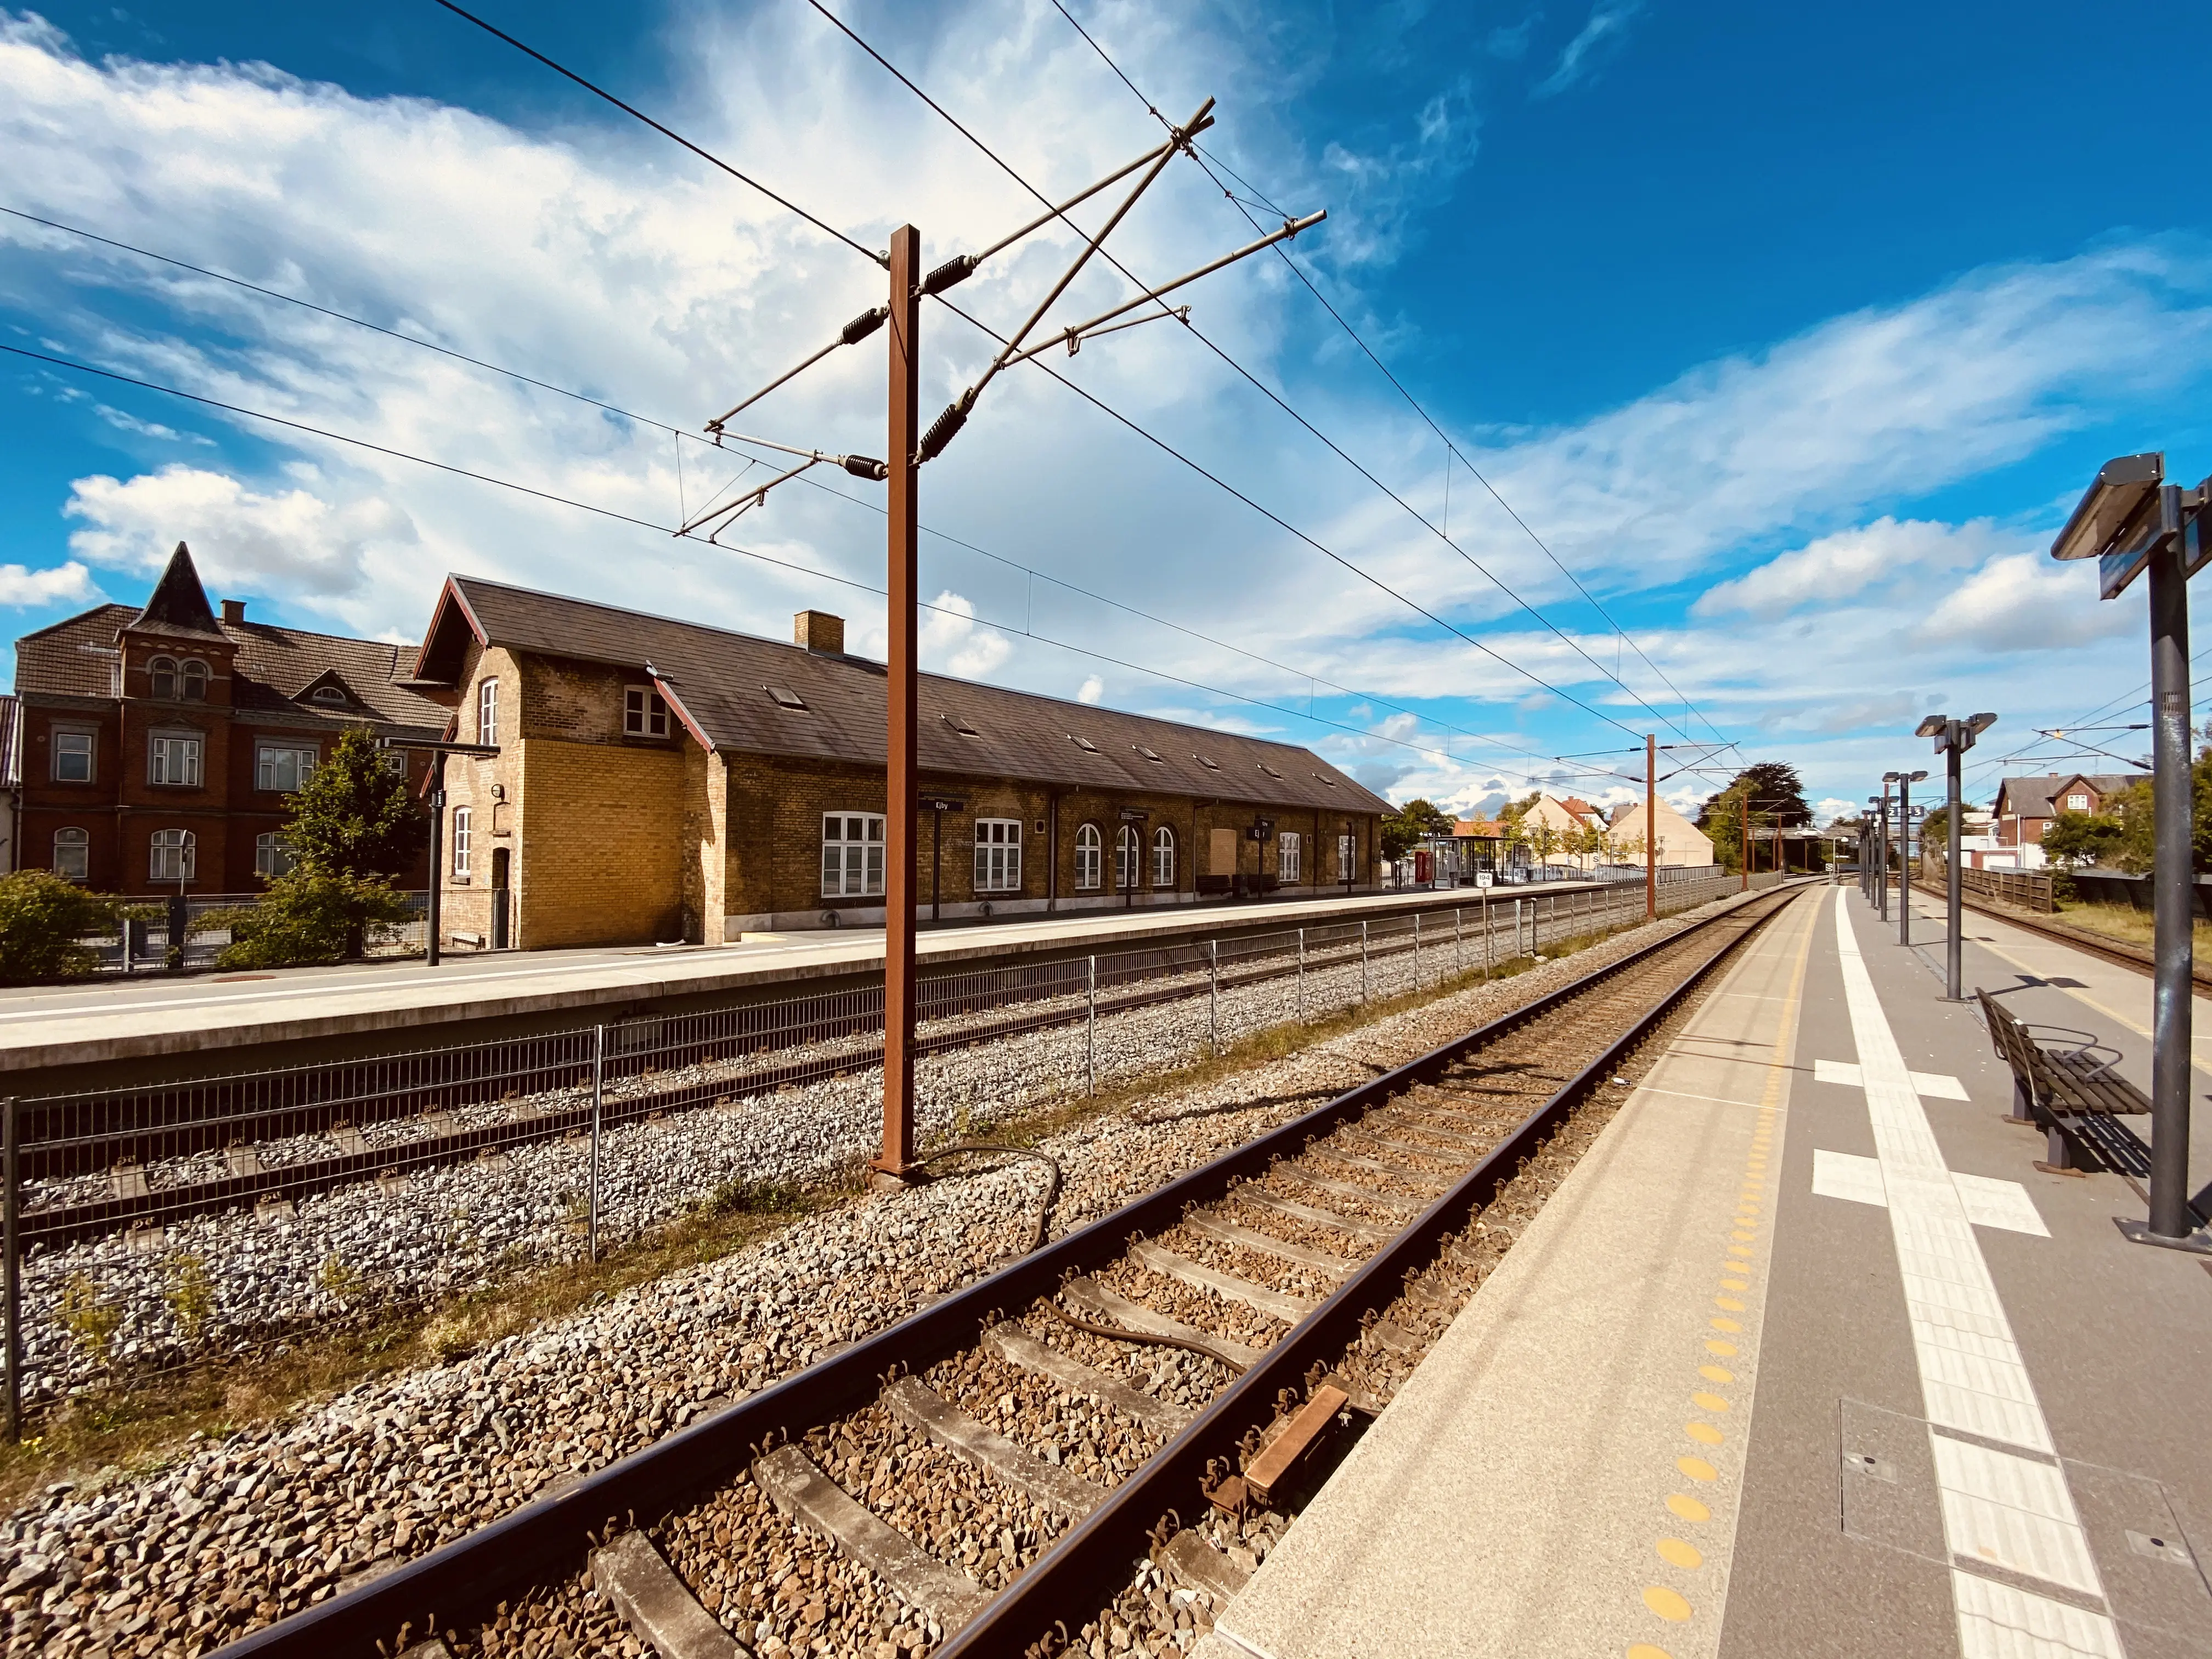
[157, 746]
[2025, 806]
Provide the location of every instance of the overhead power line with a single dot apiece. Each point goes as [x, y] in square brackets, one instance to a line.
[1029, 571]
[615, 514]
[1260, 387]
[1208, 162]
[750, 183]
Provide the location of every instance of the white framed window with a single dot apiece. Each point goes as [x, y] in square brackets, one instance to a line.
[997, 855]
[174, 760]
[73, 756]
[461, 837]
[1089, 849]
[1286, 855]
[328, 694]
[272, 855]
[73, 854]
[2078, 803]
[645, 713]
[1163, 857]
[192, 681]
[1347, 854]
[162, 678]
[1126, 851]
[175, 856]
[852, 854]
[487, 712]
[284, 767]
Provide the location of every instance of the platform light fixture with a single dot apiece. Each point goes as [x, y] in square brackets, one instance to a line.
[1952, 738]
[2132, 522]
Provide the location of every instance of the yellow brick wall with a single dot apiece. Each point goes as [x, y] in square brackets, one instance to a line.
[603, 845]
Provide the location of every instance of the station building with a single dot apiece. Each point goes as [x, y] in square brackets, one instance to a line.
[153, 748]
[659, 780]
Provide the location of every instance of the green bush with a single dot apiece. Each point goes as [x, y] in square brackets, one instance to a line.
[307, 918]
[42, 917]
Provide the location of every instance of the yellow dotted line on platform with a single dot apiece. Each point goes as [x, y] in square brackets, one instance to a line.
[1668, 1603]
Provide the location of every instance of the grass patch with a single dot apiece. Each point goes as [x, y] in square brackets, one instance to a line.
[2122, 922]
[138, 1427]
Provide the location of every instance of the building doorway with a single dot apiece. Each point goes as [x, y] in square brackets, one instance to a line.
[499, 856]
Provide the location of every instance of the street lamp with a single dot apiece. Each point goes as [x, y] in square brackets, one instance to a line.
[2130, 521]
[1881, 892]
[1953, 737]
[1905, 782]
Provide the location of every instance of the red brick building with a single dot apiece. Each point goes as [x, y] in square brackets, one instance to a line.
[157, 746]
[2025, 806]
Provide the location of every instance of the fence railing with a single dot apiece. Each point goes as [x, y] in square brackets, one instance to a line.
[156, 1227]
[140, 945]
[2025, 890]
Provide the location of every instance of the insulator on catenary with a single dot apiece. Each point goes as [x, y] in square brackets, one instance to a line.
[863, 466]
[958, 269]
[864, 324]
[945, 429]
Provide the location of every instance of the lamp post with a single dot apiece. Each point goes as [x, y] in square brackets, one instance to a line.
[1905, 782]
[1881, 892]
[2132, 521]
[437, 751]
[1953, 737]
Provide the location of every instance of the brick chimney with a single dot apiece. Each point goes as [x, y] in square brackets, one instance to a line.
[234, 612]
[817, 630]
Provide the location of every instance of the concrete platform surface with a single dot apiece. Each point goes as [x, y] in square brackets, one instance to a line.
[1804, 1359]
[80, 1024]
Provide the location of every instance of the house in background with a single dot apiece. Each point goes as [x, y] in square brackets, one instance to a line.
[1679, 841]
[659, 780]
[11, 785]
[2025, 806]
[156, 745]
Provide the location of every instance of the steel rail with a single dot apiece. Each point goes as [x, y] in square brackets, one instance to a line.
[65, 1156]
[546, 1540]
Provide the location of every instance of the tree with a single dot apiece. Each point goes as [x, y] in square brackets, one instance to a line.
[1411, 823]
[1776, 797]
[355, 817]
[2077, 838]
[43, 916]
[353, 827]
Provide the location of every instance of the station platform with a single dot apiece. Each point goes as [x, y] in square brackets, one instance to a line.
[71, 1026]
[1804, 1357]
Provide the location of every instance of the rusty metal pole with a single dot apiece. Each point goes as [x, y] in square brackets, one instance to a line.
[1651, 826]
[899, 778]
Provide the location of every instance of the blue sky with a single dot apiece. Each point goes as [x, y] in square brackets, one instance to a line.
[1792, 335]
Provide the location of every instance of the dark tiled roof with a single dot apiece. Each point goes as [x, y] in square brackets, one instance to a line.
[726, 684]
[2031, 797]
[272, 668]
[179, 605]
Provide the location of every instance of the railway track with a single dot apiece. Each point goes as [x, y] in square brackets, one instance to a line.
[552, 1101]
[1160, 1387]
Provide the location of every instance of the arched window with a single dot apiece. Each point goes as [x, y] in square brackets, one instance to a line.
[1088, 849]
[191, 682]
[1163, 857]
[461, 837]
[272, 857]
[73, 854]
[175, 856]
[162, 678]
[328, 694]
[1126, 854]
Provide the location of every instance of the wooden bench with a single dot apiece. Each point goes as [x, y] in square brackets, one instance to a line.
[2063, 1082]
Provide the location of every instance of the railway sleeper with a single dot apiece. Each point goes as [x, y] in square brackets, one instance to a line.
[657, 1604]
[924, 1410]
[1087, 1295]
[1280, 1303]
[1250, 1238]
[1014, 1344]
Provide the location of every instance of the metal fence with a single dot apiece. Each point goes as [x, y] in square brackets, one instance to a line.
[141, 944]
[153, 1228]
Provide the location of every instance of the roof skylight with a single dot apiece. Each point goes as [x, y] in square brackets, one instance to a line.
[785, 697]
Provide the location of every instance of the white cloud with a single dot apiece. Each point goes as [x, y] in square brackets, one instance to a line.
[1608, 25]
[2024, 602]
[1092, 691]
[21, 587]
[295, 544]
[952, 643]
[1836, 568]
